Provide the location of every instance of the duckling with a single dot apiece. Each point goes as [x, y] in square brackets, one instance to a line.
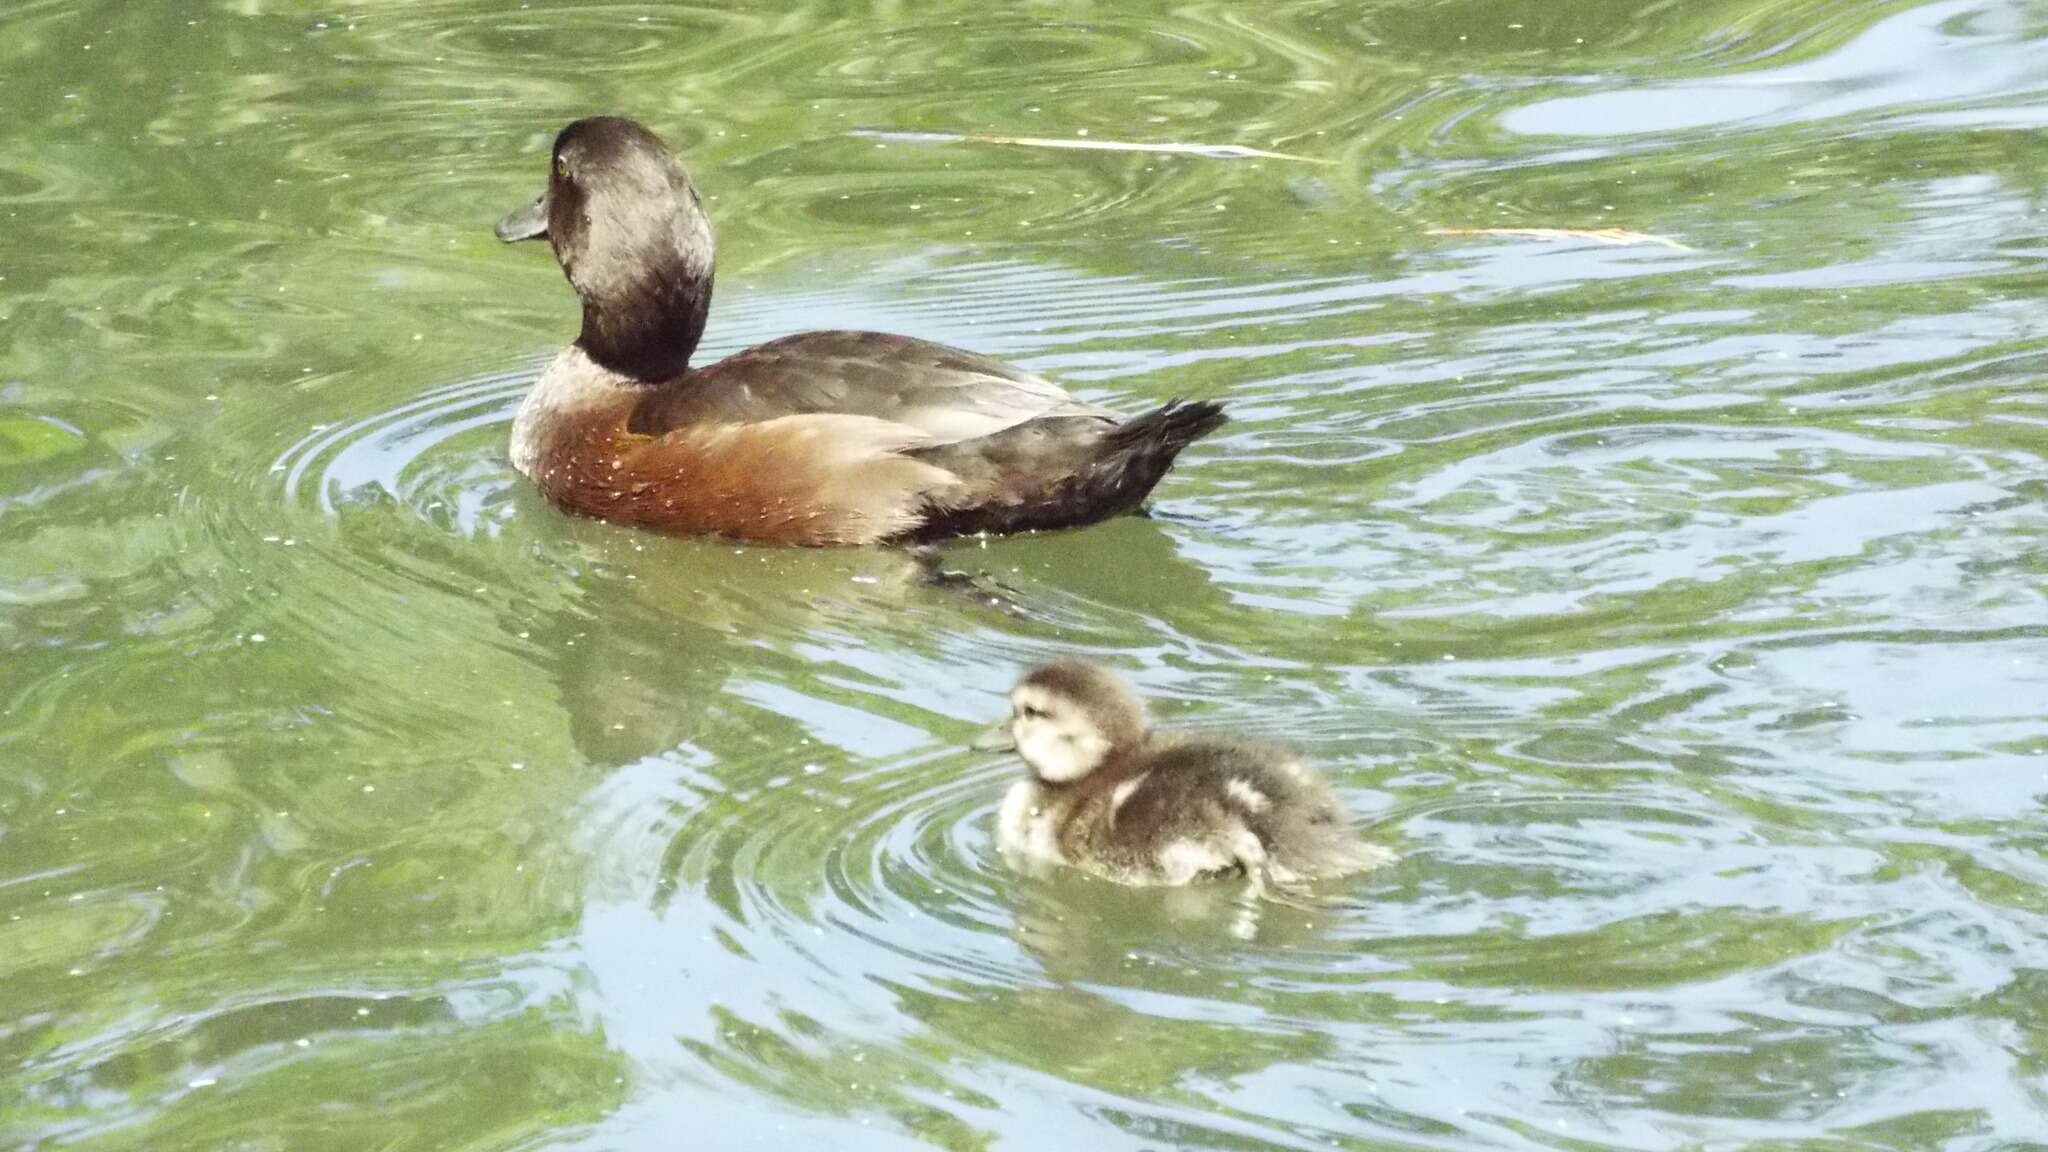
[1109, 795]
[828, 437]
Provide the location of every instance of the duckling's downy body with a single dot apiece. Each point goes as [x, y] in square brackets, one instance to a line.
[1109, 796]
[819, 438]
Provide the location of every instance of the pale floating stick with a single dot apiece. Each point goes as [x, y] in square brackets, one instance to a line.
[1616, 236]
[1212, 151]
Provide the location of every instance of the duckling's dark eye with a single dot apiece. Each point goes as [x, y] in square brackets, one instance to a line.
[1029, 712]
[561, 168]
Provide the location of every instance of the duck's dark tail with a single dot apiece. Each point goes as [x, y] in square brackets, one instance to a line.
[1064, 471]
[1161, 433]
[1138, 452]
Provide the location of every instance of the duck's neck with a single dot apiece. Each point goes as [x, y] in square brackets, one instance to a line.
[648, 331]
[571, 388]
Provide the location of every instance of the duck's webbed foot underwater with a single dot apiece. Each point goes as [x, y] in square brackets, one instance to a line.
[979, 585]
[1295, 894]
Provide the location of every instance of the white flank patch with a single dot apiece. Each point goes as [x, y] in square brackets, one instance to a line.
[1253, 799]
[1122, 792]
[1183, 860]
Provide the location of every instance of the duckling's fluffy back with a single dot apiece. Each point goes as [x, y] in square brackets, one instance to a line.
[1217, 791]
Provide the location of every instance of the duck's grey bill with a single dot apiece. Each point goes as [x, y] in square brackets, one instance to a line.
[995, 739]
[529, 223]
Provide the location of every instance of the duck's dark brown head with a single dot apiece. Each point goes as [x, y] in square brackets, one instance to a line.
[630, 233]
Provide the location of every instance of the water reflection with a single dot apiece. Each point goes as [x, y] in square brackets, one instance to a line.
[1679, 615]
[1927, 57]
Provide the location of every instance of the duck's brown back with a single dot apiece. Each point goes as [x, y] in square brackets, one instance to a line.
[954, 443]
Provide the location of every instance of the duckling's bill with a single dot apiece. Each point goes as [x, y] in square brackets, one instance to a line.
[996, 737]
[528, 223]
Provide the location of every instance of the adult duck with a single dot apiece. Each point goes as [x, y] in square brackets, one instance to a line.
[818, 438]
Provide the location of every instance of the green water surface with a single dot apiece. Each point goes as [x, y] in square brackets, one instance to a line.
[1678, 610]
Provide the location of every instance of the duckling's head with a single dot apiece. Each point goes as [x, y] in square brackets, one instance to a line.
[1067, 717]
[630, 232]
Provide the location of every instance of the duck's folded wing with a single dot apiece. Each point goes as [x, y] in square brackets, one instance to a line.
[947, 394]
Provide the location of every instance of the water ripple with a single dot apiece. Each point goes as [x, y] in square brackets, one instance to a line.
[396, 454]
[1676, 614]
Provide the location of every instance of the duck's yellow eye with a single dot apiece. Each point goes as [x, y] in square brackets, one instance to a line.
[561, 168]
